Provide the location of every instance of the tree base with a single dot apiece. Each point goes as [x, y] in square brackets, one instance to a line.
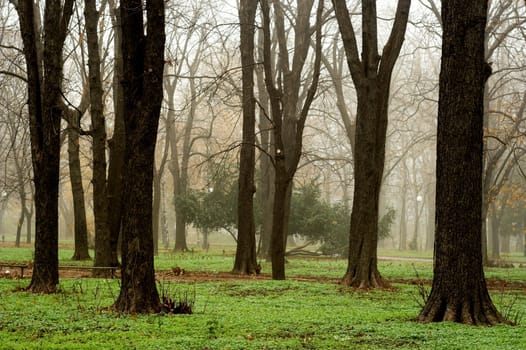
[43, 288]
[372, 280]
[470, 311]
[78, 256]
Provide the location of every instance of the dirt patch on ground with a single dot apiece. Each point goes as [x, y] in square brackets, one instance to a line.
[205, 276]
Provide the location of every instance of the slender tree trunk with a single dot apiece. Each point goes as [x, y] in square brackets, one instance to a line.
[277, 239]
[156, 209]
[23, 205]
[494, 233]
[103, 251]
[19, 225]
[402, 244]
[459, 292]
[245, 261]
[289, 110]
[143, 91]
[117, 143]
[265, 192]
[79, 209]
[29, 218]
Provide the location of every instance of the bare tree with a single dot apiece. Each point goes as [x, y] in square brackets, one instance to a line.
[103, 250]
[44, 76]
[288, 112]
[245, 262]
[142, 82]
[372, 79]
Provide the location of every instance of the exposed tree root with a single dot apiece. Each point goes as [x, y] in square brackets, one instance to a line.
[468, 310]
[127, 307]
[42, 288]
[371, 280]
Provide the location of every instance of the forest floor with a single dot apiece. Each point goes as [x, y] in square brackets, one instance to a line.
[223, 276]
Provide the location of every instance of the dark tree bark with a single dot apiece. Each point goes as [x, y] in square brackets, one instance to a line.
[459, 291]
[245, 261]
[79, 209]
[372, 79]
[117, 142]
[288, 112]
[143, 91]
[103, 251]
[44, 75]
[265, 187]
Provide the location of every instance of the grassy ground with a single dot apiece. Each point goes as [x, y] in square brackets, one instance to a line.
[254, 314]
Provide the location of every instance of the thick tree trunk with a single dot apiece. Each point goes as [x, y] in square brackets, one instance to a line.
[245, 261]
[371, 127]
[459, 292]
[44, 75]
[371, 74]
[79, 209]
[142, 83]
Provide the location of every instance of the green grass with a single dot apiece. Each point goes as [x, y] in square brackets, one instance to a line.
[238, 315]
[248, 314]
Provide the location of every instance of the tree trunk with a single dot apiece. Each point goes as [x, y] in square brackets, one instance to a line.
[362, 270]
[289, 110]
[459, 291]
[277, 239]
[103, 251]
[245, 261]
[44, 76]
[494, 233]
[156, 210]
[29, 217]
[143, 91]
[402, 244]
[430, 220]
[19, 225]
[23, 205]
[372, 77]
[117, 144]
[180, 233]
[265, 192]
[79, 209]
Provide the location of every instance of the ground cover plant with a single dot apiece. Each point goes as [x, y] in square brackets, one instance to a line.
[310, 310]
